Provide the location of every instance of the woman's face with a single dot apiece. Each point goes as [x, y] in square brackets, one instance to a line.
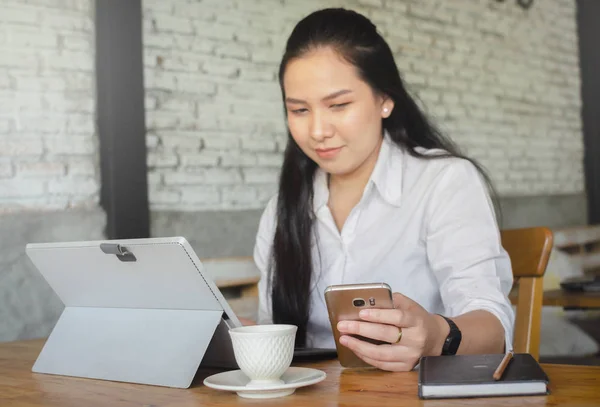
[333, 115]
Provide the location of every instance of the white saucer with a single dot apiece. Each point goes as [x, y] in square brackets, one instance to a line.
[293, 378]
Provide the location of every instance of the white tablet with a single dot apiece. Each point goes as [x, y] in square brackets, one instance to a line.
[136, 310]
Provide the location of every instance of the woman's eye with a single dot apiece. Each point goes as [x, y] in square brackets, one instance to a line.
[338, 105]
[299, 111]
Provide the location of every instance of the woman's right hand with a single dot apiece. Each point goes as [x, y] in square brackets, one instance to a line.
[409, 329]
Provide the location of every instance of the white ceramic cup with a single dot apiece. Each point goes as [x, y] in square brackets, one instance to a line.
[264, 352]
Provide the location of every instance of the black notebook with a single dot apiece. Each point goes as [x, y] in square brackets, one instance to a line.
[471, 376]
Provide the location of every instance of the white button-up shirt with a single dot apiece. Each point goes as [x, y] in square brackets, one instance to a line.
[426, 227]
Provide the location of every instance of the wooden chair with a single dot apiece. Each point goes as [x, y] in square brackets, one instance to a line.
[529, 250]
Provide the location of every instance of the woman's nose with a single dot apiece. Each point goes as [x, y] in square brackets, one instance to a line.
[320, 127]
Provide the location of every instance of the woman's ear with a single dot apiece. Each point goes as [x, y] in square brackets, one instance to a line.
[386, 107]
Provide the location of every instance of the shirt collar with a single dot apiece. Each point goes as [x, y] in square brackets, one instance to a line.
[386, 176]
[321, 190]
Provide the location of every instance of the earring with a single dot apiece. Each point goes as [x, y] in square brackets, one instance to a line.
[385, 110]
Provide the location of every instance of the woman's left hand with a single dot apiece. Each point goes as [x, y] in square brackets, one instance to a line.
[420, 334]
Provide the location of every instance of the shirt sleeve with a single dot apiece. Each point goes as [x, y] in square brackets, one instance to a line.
[464, 248]
[262, 258]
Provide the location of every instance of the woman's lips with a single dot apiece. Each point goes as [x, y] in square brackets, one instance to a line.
[328, 152]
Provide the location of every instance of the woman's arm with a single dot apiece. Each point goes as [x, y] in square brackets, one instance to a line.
[413, 332]
[466, 256]
[247, 321]
[474, 278]
[481, 333]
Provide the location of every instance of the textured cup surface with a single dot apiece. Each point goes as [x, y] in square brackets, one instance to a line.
[264, 352]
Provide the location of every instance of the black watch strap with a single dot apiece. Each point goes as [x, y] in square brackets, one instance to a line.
[453, 339]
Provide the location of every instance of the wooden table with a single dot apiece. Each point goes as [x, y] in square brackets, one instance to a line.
[567, 299]
[561, 298]
[570, 385]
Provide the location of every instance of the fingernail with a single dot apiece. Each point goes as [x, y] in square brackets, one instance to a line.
[364, 313]
[344, 340]
[342, 325]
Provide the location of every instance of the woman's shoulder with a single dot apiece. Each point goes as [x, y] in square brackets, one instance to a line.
[270, 208]
[437, 163]
[267, 219]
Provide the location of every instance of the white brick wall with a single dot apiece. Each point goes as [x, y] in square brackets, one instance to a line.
[501, 81]
[48, 149]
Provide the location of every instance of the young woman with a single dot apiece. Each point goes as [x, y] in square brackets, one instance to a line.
[371, 192]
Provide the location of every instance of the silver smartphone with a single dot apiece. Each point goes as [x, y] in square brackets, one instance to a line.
[344, 302]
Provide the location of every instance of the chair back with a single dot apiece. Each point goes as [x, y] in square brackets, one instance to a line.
[529, 250]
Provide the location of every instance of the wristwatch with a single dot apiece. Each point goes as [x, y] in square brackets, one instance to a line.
[453, 339]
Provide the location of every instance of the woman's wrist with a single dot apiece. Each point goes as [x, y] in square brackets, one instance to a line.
[440, 334]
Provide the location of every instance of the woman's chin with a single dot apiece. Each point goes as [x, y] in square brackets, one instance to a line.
[336, 169]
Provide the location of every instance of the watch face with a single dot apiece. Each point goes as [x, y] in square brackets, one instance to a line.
[447, 346]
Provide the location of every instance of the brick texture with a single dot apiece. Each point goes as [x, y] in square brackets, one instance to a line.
[48, 151]
[503, 82]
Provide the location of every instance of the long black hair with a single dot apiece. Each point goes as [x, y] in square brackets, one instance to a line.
[356, 39]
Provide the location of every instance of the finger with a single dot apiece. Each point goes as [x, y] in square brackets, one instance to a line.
[396, 317]
[383, 353]
[389, 366]
[404, 303]
[380, 332]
